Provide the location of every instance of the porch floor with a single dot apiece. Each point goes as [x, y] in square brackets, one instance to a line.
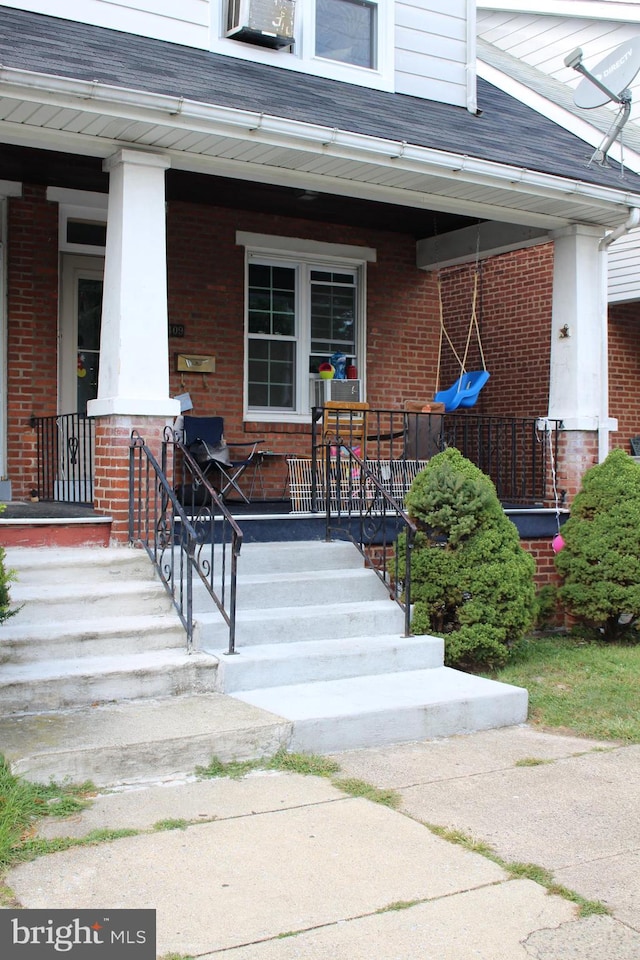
[47, 510]
[263, 519]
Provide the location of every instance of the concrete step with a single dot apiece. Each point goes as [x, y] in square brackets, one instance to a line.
[75, 601]
[59, 684]
[137, 741]
[334, 715]
[107, 636]
[78, 564]
[263, 591]
[298, 556]
[312, 622]
[280, 664]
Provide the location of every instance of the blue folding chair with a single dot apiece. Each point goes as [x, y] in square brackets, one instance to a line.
[204, 439]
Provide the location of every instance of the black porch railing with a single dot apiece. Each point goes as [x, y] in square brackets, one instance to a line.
[519, 454]
[179, 519]
[64, 452]
[360, 507]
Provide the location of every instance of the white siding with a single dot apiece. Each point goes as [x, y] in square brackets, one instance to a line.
[624, 268]
[179, 21]
[432, 50]
[544, 41]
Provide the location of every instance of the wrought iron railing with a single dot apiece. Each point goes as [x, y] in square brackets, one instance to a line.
[517, 453]
[360, 507]
[64, 452]
[177, 516]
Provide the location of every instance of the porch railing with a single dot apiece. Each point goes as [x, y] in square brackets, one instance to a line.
[517, 453]
[360, 507]
[179, 519]
[64, 457]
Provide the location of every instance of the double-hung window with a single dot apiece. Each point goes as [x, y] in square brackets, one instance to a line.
[347, 32]
[299, 312]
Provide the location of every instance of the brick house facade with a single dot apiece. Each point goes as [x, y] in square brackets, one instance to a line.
[389, 170]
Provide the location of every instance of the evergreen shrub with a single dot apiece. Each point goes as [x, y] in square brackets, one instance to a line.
[471, 580]
[600, 561]
[5, 577]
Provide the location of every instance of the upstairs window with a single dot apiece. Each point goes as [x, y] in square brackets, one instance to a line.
[349, 40]
[346, 31]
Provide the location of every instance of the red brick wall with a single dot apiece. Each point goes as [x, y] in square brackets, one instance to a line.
[513, 307]
[32, 379]
[206, 295]
[624, 371]
[206, 289]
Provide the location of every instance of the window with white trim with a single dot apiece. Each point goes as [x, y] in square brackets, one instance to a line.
[299, 312]
[346, 31]
[350, 40]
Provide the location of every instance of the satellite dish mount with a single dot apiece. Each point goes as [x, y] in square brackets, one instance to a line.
[609, 82]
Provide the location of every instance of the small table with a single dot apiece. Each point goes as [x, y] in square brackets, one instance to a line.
[261, 458]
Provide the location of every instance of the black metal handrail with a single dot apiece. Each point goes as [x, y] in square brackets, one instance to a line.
[64, 452]
[360, 507]
[517, 453]
[180, 520]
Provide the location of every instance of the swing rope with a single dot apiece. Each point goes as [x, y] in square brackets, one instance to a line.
[473, 325]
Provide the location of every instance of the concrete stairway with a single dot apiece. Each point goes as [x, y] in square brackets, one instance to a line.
[96, 681]
[95, 625]
[320, 644]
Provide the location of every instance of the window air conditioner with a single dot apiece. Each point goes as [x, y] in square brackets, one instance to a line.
[323, 390]
[267, 23]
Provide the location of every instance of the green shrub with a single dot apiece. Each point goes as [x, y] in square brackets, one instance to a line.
[546, 606]
[5, 577]
[600, 561]
[471, 581]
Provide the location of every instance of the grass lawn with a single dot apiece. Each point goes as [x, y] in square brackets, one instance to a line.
[589, 688]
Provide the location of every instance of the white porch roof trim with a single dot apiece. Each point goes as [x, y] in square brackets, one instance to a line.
[95, 119]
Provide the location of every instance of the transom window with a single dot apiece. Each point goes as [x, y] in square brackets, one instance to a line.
[299, 313]
[346, 31]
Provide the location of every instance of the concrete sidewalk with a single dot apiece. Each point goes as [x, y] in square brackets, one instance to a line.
[285, 867]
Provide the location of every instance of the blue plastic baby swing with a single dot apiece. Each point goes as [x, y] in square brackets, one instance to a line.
[464, 391]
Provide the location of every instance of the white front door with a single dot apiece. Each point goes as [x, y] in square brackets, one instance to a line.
[80, 316]
[80, 313]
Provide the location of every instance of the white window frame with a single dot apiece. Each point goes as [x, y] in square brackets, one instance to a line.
[304, 255]
[302, 57]
[78, 205]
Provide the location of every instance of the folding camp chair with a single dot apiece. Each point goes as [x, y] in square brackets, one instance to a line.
[204, 439]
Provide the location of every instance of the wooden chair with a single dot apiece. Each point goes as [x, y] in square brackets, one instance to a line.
[423, 434]
[344, 424]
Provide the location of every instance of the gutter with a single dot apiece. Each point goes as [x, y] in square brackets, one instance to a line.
[213, 119]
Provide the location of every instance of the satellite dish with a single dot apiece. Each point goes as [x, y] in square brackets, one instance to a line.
[609, 81]
[611, 77]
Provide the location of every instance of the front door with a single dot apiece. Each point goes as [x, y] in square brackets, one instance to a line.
[80, 315]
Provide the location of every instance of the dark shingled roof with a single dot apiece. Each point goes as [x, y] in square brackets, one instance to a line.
[506, 131]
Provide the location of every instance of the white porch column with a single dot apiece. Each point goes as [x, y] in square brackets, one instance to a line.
[134, 348]
[579, 389]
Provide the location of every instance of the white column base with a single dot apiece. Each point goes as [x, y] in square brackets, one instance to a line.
[134, 407]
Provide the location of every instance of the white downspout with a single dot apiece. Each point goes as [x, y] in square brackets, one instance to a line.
[632, 221]
[471, 70]
[604, 424]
